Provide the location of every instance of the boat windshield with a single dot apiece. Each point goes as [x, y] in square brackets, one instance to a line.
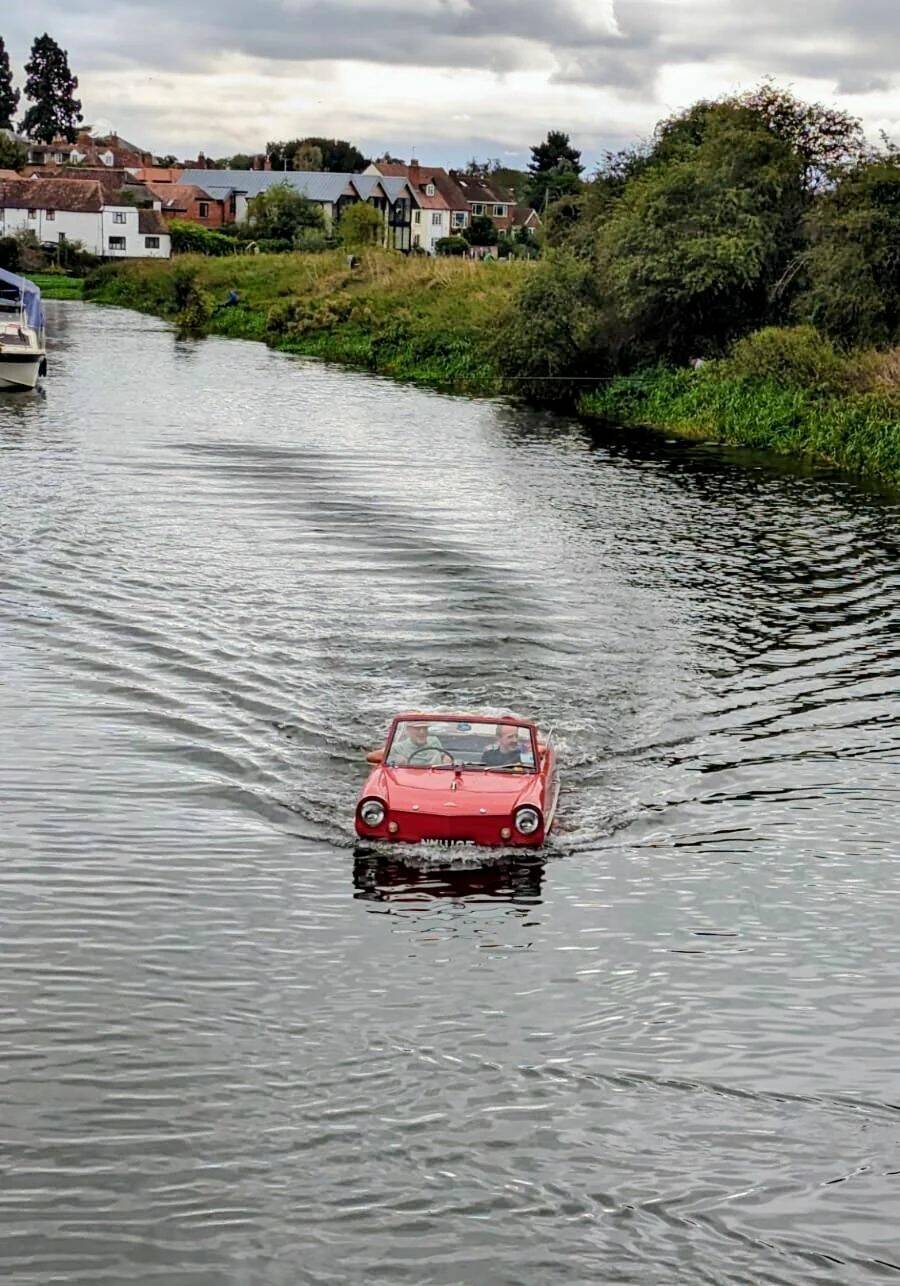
[451, 743]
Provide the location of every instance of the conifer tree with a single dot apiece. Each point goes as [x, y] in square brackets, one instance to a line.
[9, 97]
[51, 88]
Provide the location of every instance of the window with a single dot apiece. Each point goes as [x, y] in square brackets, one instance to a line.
[435, 218]
[459, 218]
[204, 209]
[50, 214]
[117, 243]
[119, 216]
[499, 211]
[32, 214]
[151, 243]
[417, 217]
[477, 208]
[429, 189]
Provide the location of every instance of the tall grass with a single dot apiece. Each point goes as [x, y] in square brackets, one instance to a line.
[416, 318]
[859, 431]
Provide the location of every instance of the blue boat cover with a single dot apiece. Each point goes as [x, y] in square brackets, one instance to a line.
[28, 292]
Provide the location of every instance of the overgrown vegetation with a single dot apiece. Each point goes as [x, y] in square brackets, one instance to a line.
[416, 318]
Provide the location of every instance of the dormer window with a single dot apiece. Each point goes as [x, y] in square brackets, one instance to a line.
[429, 189]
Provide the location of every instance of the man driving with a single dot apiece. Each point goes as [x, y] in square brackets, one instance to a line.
[506, 751]
[415, 742]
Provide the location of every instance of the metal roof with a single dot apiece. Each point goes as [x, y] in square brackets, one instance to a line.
[316, 184]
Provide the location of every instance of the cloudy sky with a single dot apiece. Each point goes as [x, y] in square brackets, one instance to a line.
[446, 79]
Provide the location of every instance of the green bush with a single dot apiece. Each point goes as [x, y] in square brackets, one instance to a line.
[312, 241]
[451, 246]
[191, 238]
[9, 254]
[360, 225]
[557, 335]
[790, 355]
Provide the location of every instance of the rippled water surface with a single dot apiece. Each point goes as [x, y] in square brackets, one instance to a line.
[233, 1051]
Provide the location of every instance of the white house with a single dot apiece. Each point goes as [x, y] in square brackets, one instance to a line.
[58, 210]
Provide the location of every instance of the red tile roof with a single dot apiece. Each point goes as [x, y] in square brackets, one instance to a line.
[179, 196]
[75, 195]
[447, 194]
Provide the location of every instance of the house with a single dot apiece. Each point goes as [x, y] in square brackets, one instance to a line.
[393, 197]
[108, 150]
[483, 199]
[442, 207]
[79, 210]
[191, 202]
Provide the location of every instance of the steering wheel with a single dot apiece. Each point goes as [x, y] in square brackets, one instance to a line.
[430, 750]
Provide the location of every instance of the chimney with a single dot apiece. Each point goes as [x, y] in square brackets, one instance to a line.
[413, 161]
[267, 164]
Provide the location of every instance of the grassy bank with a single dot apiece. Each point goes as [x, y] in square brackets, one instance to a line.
[55, 286]
[858, 431]
[438, 322]
[420, 319]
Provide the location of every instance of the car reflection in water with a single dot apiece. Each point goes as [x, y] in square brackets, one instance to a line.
[412, 881]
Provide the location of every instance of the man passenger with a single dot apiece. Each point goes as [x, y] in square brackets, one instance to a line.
[506, 751]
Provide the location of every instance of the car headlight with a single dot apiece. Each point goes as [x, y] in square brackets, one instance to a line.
[527, 820]
[372, 812]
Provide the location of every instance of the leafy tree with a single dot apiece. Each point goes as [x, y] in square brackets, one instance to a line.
[481, 231]
[9, 96]
[853, 262]
[557, 333]
[826, 140]
[338, 156]
[50, 86]
[12, 154]
[691, 252]
[170, 160]
[279, 213]
[361, 225]
[308, 157]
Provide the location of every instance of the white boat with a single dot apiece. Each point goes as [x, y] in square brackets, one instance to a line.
[23, 351]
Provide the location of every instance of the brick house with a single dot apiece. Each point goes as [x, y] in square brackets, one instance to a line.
[191, 202]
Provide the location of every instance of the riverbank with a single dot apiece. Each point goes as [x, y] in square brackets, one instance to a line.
[440, 322]
[420, 319]
[857, 431]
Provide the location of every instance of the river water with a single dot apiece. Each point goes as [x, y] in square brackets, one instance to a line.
[233, 1050]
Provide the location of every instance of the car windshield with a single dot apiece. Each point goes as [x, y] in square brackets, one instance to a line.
[451, 743]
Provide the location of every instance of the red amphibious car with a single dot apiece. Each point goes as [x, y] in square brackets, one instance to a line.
[460, 779]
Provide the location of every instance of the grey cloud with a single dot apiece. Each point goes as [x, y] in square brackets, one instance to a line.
[855, 43]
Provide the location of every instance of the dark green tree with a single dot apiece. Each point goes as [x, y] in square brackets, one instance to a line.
[9, 96]
[338, 156]
[50, 86]
[12, 155]
[554, 171]
[481, 231]
[852, 266]
[555, 151]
